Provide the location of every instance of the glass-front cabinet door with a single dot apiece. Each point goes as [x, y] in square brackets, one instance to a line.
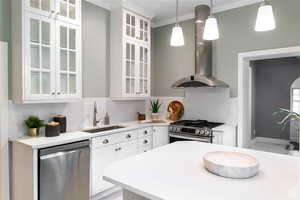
[136, 27]
[144, 71]
[39, 57]
[130, 80]
[68, 11]
[143, 31]
[43, 7]
[130, 25]
[68, 60]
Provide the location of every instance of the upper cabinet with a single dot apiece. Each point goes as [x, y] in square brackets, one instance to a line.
[64, 10]
[46, 46]
[136, 27]
[130, 54]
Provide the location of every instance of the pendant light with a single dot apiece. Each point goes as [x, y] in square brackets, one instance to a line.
[177, 38]
[211, 30]
[265, 20]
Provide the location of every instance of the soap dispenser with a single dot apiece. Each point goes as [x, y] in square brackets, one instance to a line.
[106, 119]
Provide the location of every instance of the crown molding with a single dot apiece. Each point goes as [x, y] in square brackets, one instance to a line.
[126, 5]
[100, 4]
[221, 8]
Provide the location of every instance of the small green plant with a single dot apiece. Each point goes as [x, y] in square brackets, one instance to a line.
[155, 105]
[288, 116]
[34, 122]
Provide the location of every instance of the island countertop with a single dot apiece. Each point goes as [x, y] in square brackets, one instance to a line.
[176, 172]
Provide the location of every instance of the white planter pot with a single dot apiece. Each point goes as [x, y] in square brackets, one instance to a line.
[154, 116]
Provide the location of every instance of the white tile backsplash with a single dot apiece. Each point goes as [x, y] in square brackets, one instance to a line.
[79, 114]
[213, 104]
[201, 103]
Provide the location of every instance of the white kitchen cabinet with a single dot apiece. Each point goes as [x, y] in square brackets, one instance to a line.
[68, 60]
[103, 156]
[136, 27]
[63, 10]
[69, 11]
[130, 64]
[46, 51]
[160, 136]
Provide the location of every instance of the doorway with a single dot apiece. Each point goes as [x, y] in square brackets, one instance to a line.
[245, 87]
[271, 89]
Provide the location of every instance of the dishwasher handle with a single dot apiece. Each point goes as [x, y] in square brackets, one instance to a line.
[64, 148]
[57, 154]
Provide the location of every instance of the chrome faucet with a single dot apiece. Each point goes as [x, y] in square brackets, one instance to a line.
[95, 121]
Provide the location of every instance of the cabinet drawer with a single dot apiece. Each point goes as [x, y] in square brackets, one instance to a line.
[114, 139]
[146, 141]
[144, 132]
[144, 149]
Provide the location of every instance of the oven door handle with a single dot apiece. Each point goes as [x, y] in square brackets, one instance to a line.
[188, 138]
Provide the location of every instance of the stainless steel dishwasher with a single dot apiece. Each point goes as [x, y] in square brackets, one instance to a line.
[64, 172]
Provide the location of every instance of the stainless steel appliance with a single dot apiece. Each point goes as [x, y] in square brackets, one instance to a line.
[64, 172]
[192, 130]
[203, 76]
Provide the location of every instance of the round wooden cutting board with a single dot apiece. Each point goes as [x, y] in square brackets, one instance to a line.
[231, 164]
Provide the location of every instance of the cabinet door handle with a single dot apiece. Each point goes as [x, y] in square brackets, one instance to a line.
[105, 141]
[118, 149]
[145, 132]
[53, 93]
[128, 136]
[145, 141]
[58, 93]
[51, 13]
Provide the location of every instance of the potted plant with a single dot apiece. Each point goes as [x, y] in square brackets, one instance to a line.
[33, 124]
[155, 106]
[289, 116]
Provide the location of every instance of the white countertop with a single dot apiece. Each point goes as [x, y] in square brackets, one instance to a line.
[175, 172]
[43, 142]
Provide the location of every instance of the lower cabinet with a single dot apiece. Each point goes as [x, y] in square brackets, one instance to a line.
[111, 148]
[103, 156]
[160, 136]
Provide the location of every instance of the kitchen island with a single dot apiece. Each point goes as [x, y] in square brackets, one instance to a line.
[176, 172]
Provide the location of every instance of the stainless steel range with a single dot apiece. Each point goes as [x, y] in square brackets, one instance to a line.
[192, 130]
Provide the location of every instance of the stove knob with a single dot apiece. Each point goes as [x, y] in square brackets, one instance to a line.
[197, 132]
[207, 132]
[202, 132]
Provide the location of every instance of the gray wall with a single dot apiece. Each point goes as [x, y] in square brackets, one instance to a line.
[236, 35]
[272, 91]
[95, 50]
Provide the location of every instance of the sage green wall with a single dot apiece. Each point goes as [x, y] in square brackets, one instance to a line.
[95, 50]
[171, 63]
[5, 29]
[237, 35]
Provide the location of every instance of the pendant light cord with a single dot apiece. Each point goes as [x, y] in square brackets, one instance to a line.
[211, 7]
[176, 11]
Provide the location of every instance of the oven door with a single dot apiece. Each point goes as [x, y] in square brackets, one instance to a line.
[175, 138]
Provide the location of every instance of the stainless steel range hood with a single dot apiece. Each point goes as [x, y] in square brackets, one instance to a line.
[203, 57]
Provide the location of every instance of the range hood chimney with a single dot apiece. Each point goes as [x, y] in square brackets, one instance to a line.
[203, 56]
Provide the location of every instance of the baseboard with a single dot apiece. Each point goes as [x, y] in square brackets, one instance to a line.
[270, 140]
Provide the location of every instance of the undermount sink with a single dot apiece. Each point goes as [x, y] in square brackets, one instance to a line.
[98, 130]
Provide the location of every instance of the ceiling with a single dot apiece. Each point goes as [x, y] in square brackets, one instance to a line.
[162, 12]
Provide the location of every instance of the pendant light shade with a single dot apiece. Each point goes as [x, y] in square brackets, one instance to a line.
[211, 30]
[177, 38]
[265, 20]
